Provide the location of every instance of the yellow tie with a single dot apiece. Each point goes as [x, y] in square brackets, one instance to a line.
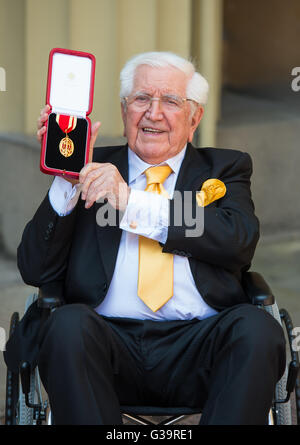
[155, 281]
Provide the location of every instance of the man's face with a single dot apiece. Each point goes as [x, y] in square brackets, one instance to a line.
[173, 129]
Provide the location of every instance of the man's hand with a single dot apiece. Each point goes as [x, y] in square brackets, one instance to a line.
[42, 130]
[103, 181]
[41, 122]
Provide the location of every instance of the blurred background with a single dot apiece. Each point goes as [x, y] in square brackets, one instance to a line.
[247, 50]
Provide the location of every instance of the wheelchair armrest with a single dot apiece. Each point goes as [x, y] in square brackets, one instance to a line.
[257, 289]
[50, 296]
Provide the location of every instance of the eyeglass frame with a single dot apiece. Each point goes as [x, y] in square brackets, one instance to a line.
[153, 98]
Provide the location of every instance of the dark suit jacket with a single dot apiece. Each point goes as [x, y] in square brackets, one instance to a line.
[81, 255]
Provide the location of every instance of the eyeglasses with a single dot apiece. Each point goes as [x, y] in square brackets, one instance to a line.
[143, 101]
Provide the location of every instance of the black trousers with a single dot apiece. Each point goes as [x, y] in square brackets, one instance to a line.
[227, 365]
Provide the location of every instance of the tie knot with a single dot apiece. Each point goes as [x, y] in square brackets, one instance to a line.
[157, 175]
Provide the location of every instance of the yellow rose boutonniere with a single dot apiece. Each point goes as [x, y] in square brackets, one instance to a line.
[211, 190]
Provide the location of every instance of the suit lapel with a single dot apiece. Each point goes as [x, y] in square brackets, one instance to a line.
[109, 237]
[194, 170]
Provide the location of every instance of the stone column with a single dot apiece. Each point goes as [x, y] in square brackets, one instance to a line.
[46, 27]
[93, 28]
[207, 38]
[12, 65]
[174, 26]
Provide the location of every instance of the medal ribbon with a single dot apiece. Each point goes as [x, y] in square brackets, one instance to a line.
[66, 123]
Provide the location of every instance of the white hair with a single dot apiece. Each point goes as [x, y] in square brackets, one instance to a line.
[197, 86]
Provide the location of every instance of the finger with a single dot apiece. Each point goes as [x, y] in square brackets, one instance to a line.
[87, 169]
[94, 134]
[41, 120]
[46, 109]
[45, 112]
[90, 167]
[92, 199]
[90, 178]
[102, 181]
[40, 133]
[96, 190]
[93, 180]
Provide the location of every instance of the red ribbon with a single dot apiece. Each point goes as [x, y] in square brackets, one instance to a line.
[66, 123]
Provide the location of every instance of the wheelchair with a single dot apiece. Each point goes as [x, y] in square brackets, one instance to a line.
[27, 404]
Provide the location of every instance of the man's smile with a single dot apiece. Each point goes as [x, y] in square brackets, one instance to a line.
[152, 131]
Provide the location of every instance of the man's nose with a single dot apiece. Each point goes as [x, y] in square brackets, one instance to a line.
[155, 110]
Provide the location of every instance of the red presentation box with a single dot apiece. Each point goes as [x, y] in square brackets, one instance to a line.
[70, 91]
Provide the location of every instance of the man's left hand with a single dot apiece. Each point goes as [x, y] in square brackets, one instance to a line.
[103, 180]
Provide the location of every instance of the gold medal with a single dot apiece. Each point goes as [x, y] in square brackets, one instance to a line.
[66, 124]
[66, 147]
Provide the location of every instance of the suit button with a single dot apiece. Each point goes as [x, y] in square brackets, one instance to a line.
[50, 225]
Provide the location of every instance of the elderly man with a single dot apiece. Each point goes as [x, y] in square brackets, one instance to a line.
[155, 316]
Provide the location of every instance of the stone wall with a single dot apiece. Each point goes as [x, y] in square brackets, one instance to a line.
[268, 128]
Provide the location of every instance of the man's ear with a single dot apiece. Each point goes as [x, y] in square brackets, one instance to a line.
[123, 113]
[195, 121]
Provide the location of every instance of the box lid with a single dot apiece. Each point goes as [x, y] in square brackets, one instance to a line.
[70, 85]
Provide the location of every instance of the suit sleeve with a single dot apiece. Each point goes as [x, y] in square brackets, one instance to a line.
[231, 229]
[43, 252]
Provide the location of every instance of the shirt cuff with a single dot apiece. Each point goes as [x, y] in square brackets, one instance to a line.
[63, 196]
[147, 214]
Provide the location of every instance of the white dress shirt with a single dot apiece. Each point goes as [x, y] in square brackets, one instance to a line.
[150, 213]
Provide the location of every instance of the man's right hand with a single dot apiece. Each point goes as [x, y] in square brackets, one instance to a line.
[41, 122]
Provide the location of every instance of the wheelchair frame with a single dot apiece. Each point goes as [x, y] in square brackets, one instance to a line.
[25, 404]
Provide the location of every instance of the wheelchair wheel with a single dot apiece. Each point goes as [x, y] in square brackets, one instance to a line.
[16, 411]
[12, 383]
[282, 412]
[27, 415]
[287, 322]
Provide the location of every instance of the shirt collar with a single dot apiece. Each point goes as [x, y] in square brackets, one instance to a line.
[137, 166]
